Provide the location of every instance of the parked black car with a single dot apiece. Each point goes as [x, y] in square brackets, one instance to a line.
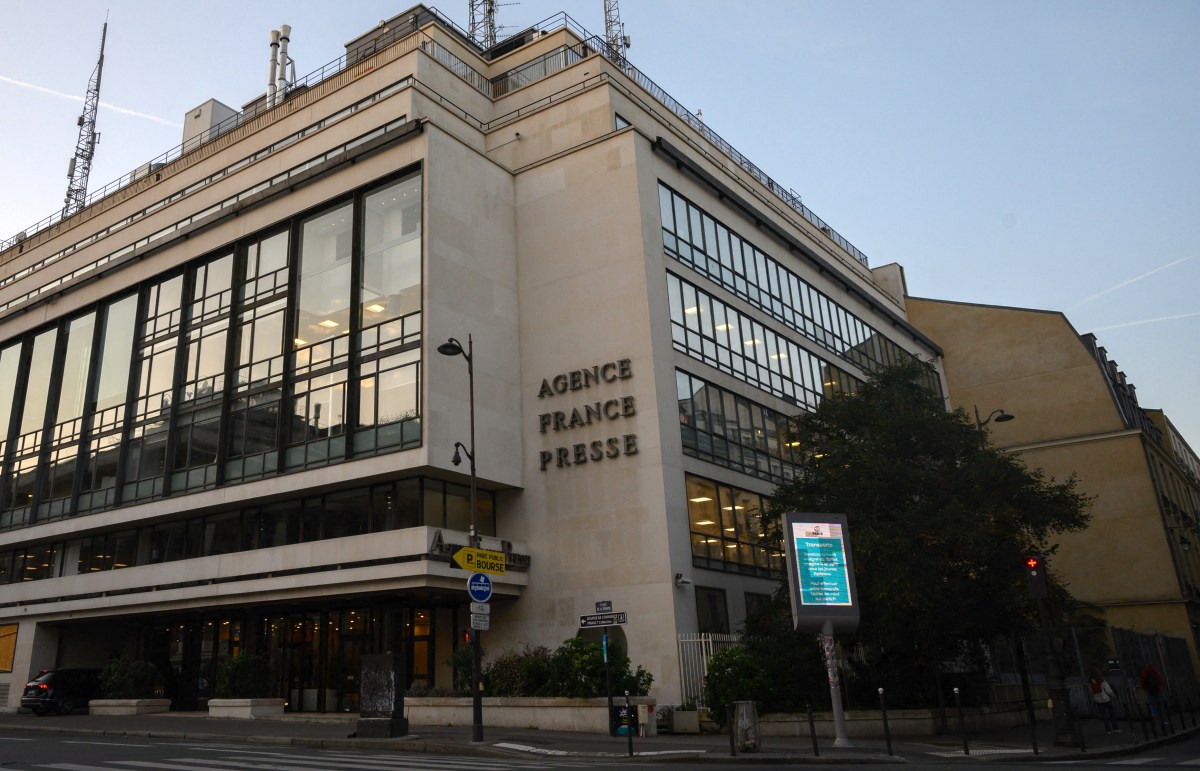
[61, 691]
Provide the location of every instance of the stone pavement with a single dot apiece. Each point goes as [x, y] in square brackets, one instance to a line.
[333, 731]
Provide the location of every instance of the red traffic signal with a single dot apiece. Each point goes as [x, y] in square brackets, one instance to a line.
[1035, 576]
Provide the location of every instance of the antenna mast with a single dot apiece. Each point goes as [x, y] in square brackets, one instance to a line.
[483, 22]
[614, 32]
[85, 148]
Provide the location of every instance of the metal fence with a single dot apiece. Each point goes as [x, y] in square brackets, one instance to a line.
[1119, 655]
[695, 651]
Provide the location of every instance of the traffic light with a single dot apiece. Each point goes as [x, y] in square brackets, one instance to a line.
[1035, 576]
[469, 637]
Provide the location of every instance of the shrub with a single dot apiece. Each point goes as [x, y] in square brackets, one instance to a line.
[523, 673]
[574, 669]
[243, 676]
[462, 660]
[129, 678]
[734, 674]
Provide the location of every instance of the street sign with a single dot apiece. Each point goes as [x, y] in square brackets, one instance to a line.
[478, 560]
[604, 606]
[602, 619]
[479, 586]
[481, 621]
[481, 607]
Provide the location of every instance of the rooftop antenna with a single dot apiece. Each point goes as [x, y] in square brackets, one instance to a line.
[614, 33]
[483, 22]
[85, 147]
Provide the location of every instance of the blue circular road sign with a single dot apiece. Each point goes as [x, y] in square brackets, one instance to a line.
[479, 586]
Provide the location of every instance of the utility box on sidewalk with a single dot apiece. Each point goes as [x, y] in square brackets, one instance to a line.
[381, 698]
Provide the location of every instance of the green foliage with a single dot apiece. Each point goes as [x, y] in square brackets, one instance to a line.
[129, 678]
[463, 661]
[734, 674]
[939, 520]
[522, 673]
[575, 669]
[243, 676]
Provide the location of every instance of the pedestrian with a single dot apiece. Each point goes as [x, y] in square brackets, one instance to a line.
[1153, 684]
[1103, 696]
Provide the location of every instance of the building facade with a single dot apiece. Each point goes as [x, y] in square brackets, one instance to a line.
[1075, 412]
[230, 427]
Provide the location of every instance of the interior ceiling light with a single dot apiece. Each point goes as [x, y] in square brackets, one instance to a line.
[375, 308]
[298, 341]
[723, 327]
[731, 508]
[706, 522]
[753, 341]
[329, 323]
[701, 499]
[692, 311]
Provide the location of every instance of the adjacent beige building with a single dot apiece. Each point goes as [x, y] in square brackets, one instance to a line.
[1077, 413]
[230, 426]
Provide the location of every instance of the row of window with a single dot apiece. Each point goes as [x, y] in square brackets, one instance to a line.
[721, 336]
[380, 508]
[704, 244]
[286, 351]
[726, 529]
[722, 427]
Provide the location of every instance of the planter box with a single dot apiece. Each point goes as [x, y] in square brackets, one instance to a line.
[127, 706]
[685, 722]
[582, 715]
[244, 708]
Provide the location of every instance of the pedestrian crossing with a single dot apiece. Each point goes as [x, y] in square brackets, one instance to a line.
[267, 760]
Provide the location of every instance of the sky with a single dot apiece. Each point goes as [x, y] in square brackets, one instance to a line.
[1021, 153]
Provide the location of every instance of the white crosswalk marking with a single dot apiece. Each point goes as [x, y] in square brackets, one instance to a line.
[77, 767]
[1193, 762]
[1133, 761]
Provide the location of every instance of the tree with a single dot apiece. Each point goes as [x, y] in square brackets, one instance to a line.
[939, 519]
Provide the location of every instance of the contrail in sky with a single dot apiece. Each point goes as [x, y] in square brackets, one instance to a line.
[1147, 321]
[73, 97]
[1133, 280]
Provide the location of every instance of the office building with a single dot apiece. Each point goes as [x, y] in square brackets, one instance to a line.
[231, 427]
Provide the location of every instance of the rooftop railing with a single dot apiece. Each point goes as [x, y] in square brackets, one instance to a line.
[499, 86]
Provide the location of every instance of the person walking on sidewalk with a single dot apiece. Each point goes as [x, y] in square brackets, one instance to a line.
[1153, 684]
[1103, 696]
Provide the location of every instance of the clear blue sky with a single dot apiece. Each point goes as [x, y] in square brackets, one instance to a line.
[1026, 153]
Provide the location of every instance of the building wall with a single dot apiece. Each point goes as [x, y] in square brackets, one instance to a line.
[1034, 365]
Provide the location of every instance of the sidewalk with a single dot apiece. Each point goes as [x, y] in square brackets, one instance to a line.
[332, 731]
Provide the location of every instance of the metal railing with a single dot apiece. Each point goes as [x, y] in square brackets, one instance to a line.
[696, 650]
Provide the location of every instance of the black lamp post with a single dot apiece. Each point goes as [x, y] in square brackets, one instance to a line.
[453, 347]
[1000, 416]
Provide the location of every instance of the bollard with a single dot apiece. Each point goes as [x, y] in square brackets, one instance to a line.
[962, 721]
[629, 724]
[730, 716]
[1144, 713]
[1127, 706]
[887, 735]
[812, 730]
[1078, 729]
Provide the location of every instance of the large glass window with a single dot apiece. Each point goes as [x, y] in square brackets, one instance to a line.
[747, 436]
[275, 353]
[726, 529]
[58, 470]
[696, 239]
[325, 248]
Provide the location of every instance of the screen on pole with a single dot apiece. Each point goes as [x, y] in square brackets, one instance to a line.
[820, 571]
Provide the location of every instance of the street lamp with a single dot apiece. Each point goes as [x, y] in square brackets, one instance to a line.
[1000, 416]
[453, 347]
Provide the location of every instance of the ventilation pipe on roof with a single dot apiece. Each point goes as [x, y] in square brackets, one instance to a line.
[274, 67]
[282, 84]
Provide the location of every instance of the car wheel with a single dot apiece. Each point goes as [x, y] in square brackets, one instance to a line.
[65, 707]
